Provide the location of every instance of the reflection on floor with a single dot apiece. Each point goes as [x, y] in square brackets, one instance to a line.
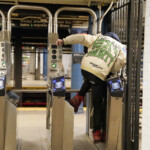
[32, 133]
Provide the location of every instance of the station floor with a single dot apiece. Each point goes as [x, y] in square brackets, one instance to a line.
[31, 122]
[32, 133]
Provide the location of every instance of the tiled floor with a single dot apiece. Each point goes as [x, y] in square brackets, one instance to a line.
[32, 133]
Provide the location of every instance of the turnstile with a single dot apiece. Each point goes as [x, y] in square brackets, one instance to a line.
[115, 115]
[62, 113]
[7, 109]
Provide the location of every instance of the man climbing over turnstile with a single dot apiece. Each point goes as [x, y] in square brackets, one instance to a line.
[106, 56]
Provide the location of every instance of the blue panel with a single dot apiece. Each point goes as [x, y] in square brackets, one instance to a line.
[45, 64]
[77, 48]
[76, 77]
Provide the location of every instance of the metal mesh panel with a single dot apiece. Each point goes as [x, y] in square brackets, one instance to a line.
[126, 21]
[119, 19]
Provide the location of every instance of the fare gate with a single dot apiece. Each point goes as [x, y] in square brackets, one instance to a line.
[8, 121]
[11, 143]
[62, 129]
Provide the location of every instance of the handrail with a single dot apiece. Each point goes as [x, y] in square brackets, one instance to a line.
[29, 8]
[30, 90]
[42, 90]
[3, 20]
[94, 30]
[101, 19]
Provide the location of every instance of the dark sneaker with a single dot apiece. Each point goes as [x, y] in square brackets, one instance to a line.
[76, 101]
[97, 136]
[103, 136]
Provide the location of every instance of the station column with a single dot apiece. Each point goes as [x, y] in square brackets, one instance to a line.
[18, 62]
[77, 54]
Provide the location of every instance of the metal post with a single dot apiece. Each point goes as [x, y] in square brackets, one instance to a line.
[101, 20]
[137, 96]
[37, 68]
[87, 113]
[18, 62]
[3, 20]
[129, 74]
[48, 105]
[18, 65]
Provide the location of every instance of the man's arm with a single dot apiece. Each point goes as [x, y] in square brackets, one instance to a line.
[84, 39]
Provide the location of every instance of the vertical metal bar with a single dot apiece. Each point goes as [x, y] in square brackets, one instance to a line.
[129, 74]
[114, 21]
[127, 14]
[137, 96]
[134, 70]
[102, 17]
[117, 19]
[120, 18]
[48, 105]
[3, 20]
[111, 21]
[18, 62]
[123, 22]
[87, 113]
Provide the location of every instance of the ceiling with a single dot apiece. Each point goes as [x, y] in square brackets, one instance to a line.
[63, 2]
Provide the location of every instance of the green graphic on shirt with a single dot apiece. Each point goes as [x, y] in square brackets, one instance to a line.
[102, 49]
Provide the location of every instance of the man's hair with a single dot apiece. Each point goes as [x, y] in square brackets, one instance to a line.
[112, 35]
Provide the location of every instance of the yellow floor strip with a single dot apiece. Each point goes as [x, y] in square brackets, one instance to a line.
[84, 108]
[31, 108]
[36, 108]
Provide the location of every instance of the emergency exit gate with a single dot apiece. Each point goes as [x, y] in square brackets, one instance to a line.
[127, 22]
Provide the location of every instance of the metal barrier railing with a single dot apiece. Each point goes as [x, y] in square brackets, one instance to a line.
[79, 9]
[48, 99]
[49, 102]
[3, 20]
